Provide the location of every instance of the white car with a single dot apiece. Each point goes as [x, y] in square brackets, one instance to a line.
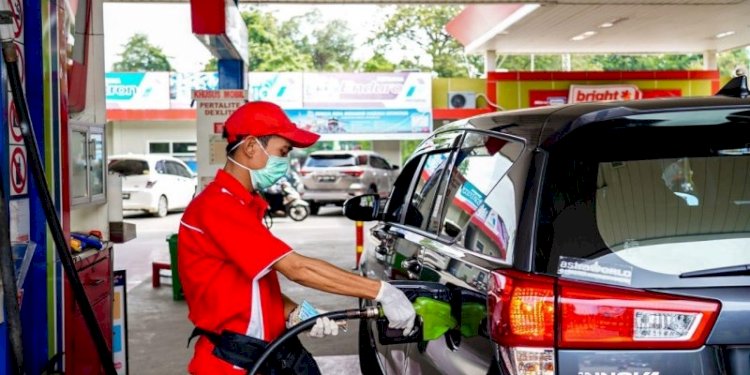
[153, 183]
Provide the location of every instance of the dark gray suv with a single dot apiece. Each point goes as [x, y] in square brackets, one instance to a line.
[587, 239]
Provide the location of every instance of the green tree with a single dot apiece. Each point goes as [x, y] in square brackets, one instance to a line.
[378, 63]
[419, 30]
[268, 49]
[640, 62]
[212, 65]
[731, 60]
[524, 62]
[407, 148]
[139, 55]
[330, 45]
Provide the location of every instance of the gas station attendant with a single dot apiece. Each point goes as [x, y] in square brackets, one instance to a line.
[228, 259]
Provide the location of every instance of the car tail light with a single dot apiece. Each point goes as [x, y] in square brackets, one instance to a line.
[521, 310]
[353, 173]
[596, 316]
[150, 184]
[304, 173]
[524, 310]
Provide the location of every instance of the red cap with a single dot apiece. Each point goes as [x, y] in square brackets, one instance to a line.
[265, 118]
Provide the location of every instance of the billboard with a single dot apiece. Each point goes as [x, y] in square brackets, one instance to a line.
[333, 104]
[350, 103]
[181, 86]
[126, 90]
[284, 89]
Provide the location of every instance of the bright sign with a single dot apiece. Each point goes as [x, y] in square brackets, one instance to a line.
[595, 93]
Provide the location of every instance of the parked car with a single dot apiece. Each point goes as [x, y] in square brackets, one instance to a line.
[332, 177]
[154, 183]
[595, 238]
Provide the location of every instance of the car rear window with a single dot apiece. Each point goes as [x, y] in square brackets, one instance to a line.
[335, 160]
[129, 167]
[642, 205]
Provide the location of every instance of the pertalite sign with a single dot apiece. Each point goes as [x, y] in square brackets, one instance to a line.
[589, 93]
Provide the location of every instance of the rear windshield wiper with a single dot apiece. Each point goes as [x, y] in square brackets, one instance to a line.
[721, 271]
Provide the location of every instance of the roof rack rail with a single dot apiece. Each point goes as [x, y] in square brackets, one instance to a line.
[736, 88]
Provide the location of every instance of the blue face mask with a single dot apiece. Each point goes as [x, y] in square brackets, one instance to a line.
[275, 169]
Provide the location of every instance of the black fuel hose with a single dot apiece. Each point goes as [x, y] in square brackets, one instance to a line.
[366, 313]
[53, 221]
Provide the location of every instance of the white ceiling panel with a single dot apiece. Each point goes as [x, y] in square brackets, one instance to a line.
[641, 29]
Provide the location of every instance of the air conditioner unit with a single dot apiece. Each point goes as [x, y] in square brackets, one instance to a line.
[462, 99]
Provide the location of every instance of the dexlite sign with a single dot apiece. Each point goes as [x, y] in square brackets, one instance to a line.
[591, 93]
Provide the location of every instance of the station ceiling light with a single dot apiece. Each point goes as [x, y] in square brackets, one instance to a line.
[583, 36]
[608, 24]
[724, 34]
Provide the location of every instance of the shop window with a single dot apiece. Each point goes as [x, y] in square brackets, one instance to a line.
[184, 147]
[87, 158]
[158, 148]
[184, 151]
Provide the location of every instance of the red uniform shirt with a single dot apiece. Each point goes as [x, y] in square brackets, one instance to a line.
[225, 254]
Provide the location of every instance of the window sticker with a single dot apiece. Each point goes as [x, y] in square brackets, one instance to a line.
[594, 270]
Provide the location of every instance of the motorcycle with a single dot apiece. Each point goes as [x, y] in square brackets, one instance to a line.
[284, 200]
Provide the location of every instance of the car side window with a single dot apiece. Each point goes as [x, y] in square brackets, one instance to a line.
[172, 168]
[481, 163]
[362, 160]
[408, 176]
[161, 167]
[400, 190]
[379, 163]
[427, 189]
[180, 169]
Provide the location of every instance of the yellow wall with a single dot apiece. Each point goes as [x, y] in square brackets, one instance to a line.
[441, 87]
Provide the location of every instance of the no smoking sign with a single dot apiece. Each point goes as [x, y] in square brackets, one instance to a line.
[18, 171]
[14, 128]
[16, 10]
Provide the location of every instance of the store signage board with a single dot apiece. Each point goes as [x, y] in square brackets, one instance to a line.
[212, 109]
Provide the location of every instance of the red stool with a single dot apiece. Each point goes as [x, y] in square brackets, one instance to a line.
[155, 276]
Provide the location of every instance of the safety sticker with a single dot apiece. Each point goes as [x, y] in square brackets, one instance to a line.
[594, 270]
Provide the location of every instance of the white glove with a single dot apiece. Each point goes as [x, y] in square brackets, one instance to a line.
[396, 307]
[324, 327]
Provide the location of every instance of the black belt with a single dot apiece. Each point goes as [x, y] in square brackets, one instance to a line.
[244, 351]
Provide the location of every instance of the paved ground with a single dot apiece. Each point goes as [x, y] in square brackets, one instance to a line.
[158, 326]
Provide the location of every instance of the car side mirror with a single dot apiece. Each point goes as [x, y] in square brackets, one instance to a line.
[394, 167]
[363, 207]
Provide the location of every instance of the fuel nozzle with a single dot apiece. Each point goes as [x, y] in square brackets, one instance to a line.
[414, 291]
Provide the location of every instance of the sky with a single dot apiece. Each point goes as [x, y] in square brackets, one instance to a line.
[168, 26]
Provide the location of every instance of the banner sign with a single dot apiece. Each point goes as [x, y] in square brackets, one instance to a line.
[181, 86]
[137, 90]
[538, 98]
[120, 324]
[350, 103]
[368, 90]
[361, 121]
[328, 103]
[213, 107]
[284, 89]
[595, 93]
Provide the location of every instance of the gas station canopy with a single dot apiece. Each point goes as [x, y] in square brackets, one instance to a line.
[588, 26]
[583, 26]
